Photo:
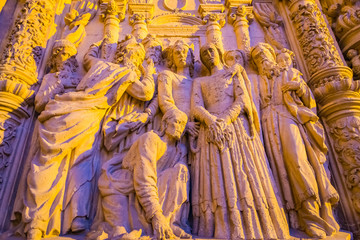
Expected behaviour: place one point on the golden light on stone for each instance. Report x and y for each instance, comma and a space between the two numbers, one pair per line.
203, 119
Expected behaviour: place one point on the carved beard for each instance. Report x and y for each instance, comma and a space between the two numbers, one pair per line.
270, 70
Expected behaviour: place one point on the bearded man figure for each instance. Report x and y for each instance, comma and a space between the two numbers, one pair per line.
144, 194
295, 143
68, 133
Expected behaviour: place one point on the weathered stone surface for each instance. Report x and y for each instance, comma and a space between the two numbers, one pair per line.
139, 119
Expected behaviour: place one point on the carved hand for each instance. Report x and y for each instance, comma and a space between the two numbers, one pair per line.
149, 67
140, 122
193, 128
161, 227
291, 86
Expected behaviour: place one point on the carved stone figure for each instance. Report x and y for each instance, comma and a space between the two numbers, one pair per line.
126, 121
294, 142
354, 57
233, 192
147, 193
63, 170
63, 74
175, 86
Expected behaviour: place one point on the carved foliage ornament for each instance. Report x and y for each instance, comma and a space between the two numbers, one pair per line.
346, 135
28, 37
314, 38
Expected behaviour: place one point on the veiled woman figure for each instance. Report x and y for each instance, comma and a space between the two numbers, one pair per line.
233, 192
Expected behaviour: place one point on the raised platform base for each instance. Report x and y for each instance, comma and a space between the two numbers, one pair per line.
296, 235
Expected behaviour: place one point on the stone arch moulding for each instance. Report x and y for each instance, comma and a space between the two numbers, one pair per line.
177, 24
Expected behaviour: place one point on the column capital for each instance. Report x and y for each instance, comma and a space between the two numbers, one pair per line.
113, 9
243, 15
141, 8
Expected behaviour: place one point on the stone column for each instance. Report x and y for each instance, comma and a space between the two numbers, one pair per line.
141, 12
240, 20
112, 13
344, 17
214, 23
139, 25
19, 65
338, 104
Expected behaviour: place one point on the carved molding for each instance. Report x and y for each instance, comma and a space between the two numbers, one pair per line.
330, 80
236, 3
145, 7
208, 8
190, 25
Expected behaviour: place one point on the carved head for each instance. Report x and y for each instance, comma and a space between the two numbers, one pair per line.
180, 55
263, 57
153, 47
285, 58
352, 53
233, 57
63, 56
211, 55
130, 52
173, 123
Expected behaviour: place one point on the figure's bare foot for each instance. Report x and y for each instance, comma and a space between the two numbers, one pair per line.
34, 234
79, 224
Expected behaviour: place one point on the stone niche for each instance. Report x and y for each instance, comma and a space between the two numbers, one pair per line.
167, 119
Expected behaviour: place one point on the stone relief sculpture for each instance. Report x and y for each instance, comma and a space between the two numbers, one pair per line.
354, 57
125, 122
289, 120
135, 151
233, 193
271, 23
67, 148
63, 74
175, 86
147, 193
